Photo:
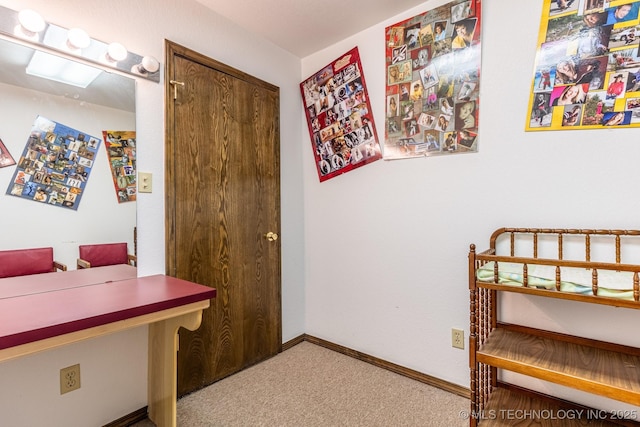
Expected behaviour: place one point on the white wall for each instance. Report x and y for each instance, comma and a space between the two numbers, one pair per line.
386, 245
113, 383
142, 26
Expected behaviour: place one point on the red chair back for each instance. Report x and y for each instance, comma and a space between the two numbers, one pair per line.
22, 262
104, 254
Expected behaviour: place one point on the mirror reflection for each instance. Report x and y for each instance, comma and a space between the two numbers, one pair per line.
104, 109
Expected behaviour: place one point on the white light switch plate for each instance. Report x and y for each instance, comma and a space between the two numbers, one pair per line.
145, 181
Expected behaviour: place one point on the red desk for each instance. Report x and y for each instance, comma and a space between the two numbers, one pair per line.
24, 285
63, 315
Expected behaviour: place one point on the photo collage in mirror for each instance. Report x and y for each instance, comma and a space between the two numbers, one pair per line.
55, 164
121, 151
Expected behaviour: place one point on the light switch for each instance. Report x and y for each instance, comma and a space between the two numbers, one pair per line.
144, 182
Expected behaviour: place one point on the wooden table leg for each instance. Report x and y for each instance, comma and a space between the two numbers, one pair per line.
162, 382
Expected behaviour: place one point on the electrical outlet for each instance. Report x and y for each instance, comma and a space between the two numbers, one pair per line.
457, 338
69, 378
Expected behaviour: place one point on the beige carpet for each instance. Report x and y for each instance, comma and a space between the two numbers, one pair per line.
308, 385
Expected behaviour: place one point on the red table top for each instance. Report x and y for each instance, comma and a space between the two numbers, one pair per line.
38, 316
35, 283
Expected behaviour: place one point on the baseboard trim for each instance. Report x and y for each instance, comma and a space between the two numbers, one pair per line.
293, 342
401, 370
141, 414
129, 419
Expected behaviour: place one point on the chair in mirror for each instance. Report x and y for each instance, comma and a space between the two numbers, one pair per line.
104, 254
24, 262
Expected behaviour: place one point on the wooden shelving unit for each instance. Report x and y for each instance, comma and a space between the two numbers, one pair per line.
601, 368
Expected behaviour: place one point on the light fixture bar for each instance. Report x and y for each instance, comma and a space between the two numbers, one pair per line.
93, 53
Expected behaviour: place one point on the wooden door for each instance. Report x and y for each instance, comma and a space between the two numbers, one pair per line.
223, 200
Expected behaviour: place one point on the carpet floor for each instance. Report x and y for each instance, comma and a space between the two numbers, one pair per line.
308, 386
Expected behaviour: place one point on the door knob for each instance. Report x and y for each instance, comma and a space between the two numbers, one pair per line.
271, 236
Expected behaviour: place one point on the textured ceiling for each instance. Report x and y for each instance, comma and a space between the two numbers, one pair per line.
303, 27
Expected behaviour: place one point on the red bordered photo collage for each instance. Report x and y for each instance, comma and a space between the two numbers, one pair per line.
339, 117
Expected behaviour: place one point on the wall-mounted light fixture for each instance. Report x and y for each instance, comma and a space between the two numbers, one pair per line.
31, 29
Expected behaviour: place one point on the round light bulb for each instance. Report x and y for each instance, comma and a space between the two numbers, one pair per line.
149, 64
77, 38
117, 52
31, 20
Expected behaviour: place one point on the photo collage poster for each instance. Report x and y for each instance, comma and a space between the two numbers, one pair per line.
339, 117
5, 156
587, 68
55, 164
433, 81
121, 152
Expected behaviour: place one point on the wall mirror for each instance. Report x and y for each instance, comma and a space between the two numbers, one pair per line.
106, 104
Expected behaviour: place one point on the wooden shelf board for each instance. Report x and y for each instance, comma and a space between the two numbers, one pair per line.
511, 408
602, 372
552, 293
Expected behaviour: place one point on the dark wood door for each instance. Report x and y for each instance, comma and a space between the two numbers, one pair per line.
223, 200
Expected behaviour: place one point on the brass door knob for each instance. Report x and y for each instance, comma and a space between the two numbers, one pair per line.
271, 236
